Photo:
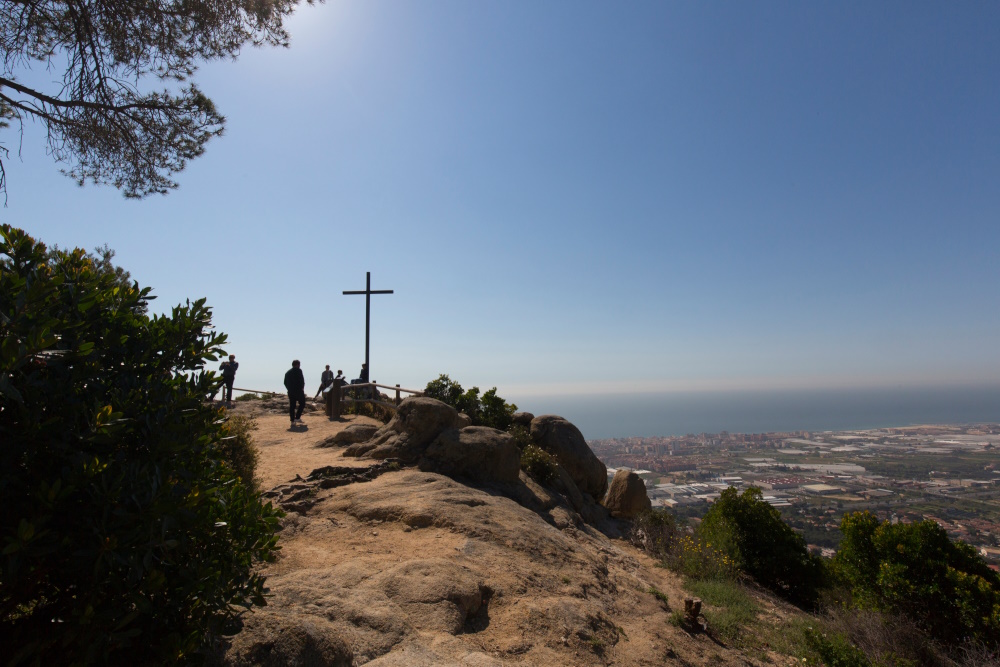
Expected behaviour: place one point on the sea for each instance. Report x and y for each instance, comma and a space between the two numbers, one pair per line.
679, 413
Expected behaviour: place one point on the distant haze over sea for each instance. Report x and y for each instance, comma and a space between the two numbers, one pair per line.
678, 413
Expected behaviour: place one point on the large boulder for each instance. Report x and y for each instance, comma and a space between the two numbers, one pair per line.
353, 434
417, 422
627, 495
565, 442
477, 452
522, 419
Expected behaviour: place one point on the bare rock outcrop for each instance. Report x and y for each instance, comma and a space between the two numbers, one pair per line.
475, 452
353, 434
522, 419
429, 432
278, 640
437, 594
627, 495
564, 441
388, 565
417, 422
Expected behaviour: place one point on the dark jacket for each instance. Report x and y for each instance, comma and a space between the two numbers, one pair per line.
364, 375
295, 382
228, 369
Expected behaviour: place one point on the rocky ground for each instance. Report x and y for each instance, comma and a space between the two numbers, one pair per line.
387, 561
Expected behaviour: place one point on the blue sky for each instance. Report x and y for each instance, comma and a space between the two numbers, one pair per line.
642, 196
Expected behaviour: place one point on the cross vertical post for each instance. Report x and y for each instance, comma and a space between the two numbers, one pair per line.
368, 315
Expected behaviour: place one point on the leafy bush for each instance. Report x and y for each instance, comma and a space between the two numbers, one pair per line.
495, 412
538, 463
835, 650
124, 528
521, 435
654, 531
700, 559
489, 410
915, 570
238, 449
884, 639
754, 536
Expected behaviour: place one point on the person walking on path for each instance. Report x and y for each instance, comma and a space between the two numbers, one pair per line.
295, 383
325, 380
228, 369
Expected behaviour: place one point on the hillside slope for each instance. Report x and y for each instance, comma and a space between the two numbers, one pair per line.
383, 564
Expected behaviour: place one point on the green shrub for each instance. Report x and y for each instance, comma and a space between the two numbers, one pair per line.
697, 558
126, 538
248, 397
538, 463
917, 571
238, 449
835, 650
754, 536
654, 531
885, 639
521, 435
489, 410
496, 412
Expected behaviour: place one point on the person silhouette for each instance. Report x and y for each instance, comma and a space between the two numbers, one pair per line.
325, 380
295, 383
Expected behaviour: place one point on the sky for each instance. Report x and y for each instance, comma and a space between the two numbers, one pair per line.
574, 198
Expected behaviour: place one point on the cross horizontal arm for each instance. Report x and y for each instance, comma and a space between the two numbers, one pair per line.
374, 291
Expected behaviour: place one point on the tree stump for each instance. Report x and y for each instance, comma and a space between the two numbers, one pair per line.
692, 610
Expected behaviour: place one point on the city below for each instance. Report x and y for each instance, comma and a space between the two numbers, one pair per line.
944, 473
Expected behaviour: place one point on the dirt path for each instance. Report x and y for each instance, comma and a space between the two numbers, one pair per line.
287, 452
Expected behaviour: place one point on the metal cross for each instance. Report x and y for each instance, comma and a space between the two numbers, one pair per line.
368, 314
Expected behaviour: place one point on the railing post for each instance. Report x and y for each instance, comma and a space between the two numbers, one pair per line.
397, 394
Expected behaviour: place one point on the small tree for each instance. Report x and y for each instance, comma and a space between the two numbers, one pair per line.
490, 410
125, 537
754, 535
917, 571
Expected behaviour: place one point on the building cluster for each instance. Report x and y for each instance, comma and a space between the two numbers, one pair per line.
948, 474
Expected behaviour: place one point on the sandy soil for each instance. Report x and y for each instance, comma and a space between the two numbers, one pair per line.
286, 452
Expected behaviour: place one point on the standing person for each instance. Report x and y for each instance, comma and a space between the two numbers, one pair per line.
295, 383
325, 380
228, 369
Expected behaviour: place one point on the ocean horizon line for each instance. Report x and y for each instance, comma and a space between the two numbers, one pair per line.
651, 414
